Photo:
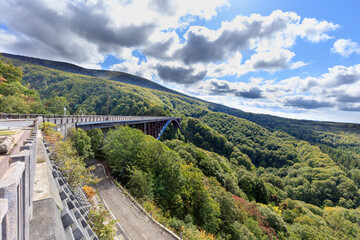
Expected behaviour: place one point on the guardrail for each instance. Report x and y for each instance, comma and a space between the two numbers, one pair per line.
65, 119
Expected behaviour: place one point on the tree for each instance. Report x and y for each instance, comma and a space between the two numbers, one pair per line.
71, 165
82, 143
15, 97
9, 72
57, 104
141, 184
122, 146
97, 142
99, 220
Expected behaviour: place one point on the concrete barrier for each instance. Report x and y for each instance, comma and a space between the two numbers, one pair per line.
16, 192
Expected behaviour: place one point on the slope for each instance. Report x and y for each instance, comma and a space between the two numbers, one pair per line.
105, 74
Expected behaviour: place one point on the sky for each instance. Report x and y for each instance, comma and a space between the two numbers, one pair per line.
297, 59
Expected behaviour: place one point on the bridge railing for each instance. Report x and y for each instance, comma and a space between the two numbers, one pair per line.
16, 191
64, 119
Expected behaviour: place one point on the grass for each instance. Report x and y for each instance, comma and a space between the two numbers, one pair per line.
7, 132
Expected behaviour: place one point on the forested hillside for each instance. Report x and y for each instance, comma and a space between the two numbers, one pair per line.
232, 174
298, 128
106, 74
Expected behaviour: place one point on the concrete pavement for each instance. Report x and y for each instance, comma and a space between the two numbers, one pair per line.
135, 224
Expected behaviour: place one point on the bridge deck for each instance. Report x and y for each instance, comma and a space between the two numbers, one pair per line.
152, 125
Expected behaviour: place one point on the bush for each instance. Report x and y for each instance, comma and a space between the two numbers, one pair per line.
239, 231
72, 166
50, 135
89, 191
100, 223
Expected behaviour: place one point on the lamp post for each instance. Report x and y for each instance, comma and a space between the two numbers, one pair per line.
108, 98
64, 126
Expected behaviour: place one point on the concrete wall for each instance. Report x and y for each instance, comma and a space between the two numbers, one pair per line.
16, 192
4, 165
53, 213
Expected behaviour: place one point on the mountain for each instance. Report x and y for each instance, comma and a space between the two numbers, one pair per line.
225, 174
105, 74
298, 128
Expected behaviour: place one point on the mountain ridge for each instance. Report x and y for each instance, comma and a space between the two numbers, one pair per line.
271, 122
106, 74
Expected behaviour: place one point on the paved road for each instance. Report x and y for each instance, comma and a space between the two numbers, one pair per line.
14, 124
135, 224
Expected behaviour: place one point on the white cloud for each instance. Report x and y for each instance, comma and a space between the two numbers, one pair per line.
273, 60
337, 89
315, 30
267, 41
83, 32
345, 47
337, 76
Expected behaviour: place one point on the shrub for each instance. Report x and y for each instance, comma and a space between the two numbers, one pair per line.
89, 191
72, 166
288, 216
50, 135
100, 223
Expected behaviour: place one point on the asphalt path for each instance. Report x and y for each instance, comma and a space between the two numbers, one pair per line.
133, 222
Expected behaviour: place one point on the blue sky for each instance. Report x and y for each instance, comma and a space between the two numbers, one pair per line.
297, 59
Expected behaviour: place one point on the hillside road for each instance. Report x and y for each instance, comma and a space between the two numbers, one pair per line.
134, 223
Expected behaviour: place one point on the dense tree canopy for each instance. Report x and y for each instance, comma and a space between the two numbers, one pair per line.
14, 96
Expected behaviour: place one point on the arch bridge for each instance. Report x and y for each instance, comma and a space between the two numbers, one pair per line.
150, 125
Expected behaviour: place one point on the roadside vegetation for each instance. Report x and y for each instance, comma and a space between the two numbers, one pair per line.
69, 155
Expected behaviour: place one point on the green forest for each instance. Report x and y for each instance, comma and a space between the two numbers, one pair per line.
225, 174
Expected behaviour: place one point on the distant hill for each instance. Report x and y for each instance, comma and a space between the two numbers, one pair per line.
106, 74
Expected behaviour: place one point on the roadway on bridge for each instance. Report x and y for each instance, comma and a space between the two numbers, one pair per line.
11, 124
135, 224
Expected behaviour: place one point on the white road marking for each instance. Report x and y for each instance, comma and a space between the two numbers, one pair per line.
113, 216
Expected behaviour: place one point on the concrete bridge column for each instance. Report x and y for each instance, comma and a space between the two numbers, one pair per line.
65, 129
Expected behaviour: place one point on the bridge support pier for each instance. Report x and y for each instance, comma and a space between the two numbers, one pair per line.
154, 128
65, 129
